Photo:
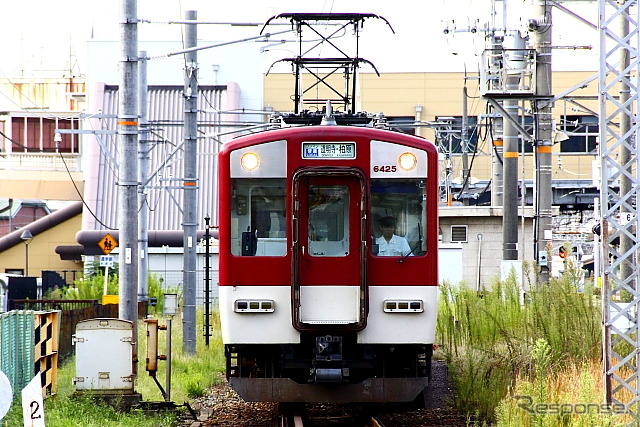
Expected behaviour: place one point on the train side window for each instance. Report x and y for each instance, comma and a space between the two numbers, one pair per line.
258, 221
398, 208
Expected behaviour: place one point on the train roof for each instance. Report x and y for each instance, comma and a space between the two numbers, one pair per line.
332, 132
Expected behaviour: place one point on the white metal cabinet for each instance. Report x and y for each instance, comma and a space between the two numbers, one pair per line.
104, 355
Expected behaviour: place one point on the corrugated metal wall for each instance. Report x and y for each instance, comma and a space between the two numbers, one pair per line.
28, 344
166, 156
17, 347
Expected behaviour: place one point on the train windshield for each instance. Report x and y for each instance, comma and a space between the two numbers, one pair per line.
258, 224
398, 212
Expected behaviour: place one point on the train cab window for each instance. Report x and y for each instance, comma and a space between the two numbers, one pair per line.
328, 220
398, 217
258, 224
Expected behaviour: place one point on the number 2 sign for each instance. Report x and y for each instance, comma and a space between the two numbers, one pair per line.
32, 405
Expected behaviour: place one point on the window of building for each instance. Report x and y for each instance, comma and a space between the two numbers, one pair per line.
449, 135
404, 124
37, 135
582, 132
525, 146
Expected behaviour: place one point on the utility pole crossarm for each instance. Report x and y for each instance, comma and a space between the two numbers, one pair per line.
514, 122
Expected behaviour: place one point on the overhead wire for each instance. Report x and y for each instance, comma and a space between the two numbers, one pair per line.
84, 202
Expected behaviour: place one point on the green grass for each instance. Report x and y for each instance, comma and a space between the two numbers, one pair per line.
191, 375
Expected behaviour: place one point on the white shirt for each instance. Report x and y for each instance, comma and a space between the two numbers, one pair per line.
397, 246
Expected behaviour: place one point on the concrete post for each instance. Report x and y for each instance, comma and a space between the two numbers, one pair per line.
190, 186
127, 159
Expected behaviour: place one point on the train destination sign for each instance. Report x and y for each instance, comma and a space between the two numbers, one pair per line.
328, 150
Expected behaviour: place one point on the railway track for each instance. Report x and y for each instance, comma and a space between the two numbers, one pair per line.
233, 415
223, 407
299, 421
327, 415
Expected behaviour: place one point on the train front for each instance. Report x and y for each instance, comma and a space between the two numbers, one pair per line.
328, 264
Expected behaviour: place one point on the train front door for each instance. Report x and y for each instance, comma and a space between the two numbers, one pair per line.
329, 285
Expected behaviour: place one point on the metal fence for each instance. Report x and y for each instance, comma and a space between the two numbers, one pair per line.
52, 304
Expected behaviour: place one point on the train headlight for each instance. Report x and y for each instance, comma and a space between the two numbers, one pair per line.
403, 306
407, 161
250, 161
253, 306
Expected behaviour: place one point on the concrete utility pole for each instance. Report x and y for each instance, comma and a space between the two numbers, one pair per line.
128, 168
514, 65
510, 171
497, 186
464, 142
190, 185
543, 196
143, 174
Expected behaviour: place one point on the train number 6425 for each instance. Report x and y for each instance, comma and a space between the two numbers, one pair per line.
385, 168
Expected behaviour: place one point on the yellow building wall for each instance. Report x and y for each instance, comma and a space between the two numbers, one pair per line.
42, 254
440, 94
37, 184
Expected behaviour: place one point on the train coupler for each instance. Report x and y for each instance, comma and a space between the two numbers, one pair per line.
330, 375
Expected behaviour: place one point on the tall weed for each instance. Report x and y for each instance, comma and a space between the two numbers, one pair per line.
572, 397
492, 337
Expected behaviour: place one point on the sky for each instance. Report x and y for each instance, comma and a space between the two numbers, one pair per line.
50, 37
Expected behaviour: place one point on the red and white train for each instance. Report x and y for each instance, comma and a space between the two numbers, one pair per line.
328, 264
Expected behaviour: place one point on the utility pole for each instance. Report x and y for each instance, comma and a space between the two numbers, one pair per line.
514, 65
190, 185
497, 186
510, 175
464, 141
143, 174
504, 84
207, 281
128, 168
543, 196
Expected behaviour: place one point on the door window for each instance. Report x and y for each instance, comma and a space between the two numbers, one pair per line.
328, 215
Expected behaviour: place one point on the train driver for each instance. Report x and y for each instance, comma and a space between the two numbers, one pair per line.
390, 244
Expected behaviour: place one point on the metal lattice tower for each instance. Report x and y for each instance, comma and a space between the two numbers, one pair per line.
618, 96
